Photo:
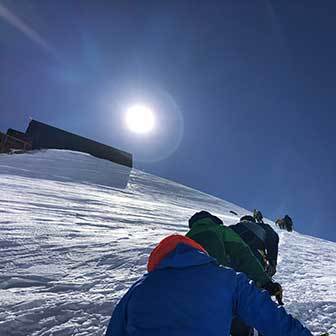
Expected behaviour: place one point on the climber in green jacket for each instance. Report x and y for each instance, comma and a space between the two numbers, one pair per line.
226, 246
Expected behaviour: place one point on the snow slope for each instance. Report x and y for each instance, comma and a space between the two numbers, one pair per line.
71, 243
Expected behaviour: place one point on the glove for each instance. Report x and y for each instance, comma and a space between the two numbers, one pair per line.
275, 289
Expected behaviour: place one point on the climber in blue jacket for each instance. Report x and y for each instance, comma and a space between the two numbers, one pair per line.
186, 292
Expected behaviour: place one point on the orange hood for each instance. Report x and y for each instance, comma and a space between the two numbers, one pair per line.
166, 246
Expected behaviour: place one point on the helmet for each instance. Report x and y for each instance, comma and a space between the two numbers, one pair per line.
204, 214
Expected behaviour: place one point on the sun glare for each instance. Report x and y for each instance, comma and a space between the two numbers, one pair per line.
140, 119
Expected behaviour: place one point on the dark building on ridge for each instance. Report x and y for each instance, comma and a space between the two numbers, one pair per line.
42, 136
46, 136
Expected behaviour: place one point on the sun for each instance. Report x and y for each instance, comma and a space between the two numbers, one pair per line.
140, 119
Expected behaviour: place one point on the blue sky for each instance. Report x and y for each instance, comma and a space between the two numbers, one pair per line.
244, 92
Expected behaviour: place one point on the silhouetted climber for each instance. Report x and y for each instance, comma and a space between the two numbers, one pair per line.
186, 292
257, 215
280, 222
285, 223
262, 240
228, 248
289, 223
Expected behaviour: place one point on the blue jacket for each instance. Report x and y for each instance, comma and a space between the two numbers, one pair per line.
189, 294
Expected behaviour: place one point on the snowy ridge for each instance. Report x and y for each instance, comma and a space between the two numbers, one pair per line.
72, 242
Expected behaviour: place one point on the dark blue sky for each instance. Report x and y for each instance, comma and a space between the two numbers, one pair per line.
245, 90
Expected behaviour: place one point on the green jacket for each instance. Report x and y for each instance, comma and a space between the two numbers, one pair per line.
228, 248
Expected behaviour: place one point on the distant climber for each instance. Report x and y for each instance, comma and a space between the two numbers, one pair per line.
285, 223
262, 240
186, 292
257, 215
228, 248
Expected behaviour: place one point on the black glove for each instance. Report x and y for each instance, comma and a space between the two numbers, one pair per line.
275, 289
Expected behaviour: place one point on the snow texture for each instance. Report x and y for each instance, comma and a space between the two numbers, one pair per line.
73, 239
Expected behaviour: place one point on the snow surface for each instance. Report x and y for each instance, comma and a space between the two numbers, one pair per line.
71, 243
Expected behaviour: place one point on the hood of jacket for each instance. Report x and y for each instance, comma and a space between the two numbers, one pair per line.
177, 251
